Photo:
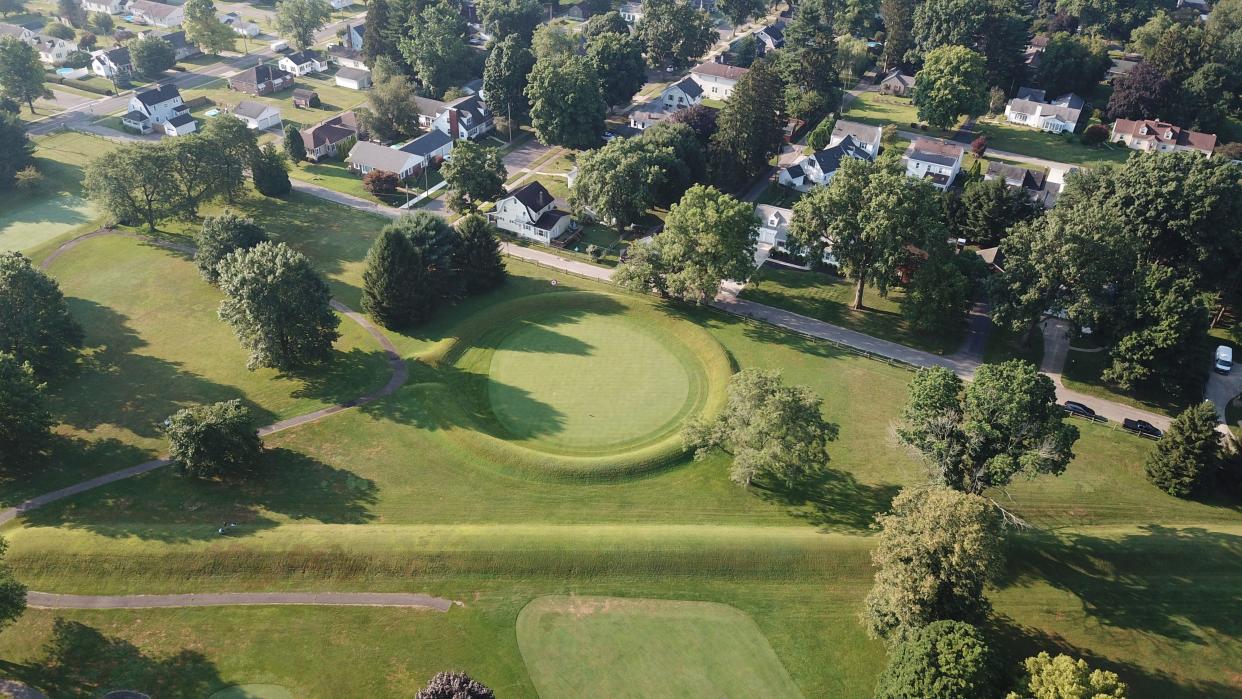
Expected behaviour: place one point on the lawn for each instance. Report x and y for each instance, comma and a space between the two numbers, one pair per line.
1083, 372
406, 494
875, 108
1064, 148
29, 219
828, 298
619, 647
335, 99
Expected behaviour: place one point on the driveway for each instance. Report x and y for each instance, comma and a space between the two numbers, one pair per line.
1223, 388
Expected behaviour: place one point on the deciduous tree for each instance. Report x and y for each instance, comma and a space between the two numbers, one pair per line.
1072, 63
619, 63
772, 430
1143, 93
214, 441
21, 73
35, 324
503, 18
298, 20
132, 184
72, 12
392, 112
454, 685
475, 174
607, 23
152, 55
12, 592
204, 29
951, 83
739, 12
675, 33
936, 550
567, 102
277, 303
943, 660
618, 182
504, 78
1187, 455
16, 149
435, 46
220, 236
25, 423
1059, 677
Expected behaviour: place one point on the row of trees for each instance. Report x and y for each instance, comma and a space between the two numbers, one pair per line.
150, 182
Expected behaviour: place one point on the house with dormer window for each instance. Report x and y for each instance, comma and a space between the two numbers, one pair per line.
159, 108
531, 212
935, 161
1058, 115
819, 167
1155, 135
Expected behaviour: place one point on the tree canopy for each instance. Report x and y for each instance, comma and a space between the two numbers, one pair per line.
298, 20
204, 29
567, 101
35, 324
21, 73
475, 174
214, 441
504, 77
943, 660
1062, 676
675, 33
435, 46
1187, 455
619, 63
749, 129
25, 423
16, 149
951, 83
477, 257
221, 235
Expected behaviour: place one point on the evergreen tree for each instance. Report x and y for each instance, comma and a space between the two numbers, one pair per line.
16, 149
12, 592
1188, 453
295, 147
25, 423
389, 281
749, 129
943, 660
504, 78
478, 261
271, 172
376, 28
220, 236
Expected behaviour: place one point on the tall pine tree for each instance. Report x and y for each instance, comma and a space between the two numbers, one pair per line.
749, 129
389, 280
477, 260
1188, 454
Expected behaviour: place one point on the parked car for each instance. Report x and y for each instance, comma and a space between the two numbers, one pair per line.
1224, 359
1142, 427
1073, 407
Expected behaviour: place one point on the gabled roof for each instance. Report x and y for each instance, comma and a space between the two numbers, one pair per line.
533, 196
378, 157
301, 58
253, 110
474, 86
895, 75
334, 130
342, 51
156, 10
774, 31
829, 159
720, 70
428, 107
353, 73
158, 95
427, 144
688, 86
1030, 93
865, 133
262, 74
937, 152
549, 219
1017, 176
1164, 132
770, 215
795, 171
176, 39
305, 93
135, 116
181, 119
472, 105
119, 56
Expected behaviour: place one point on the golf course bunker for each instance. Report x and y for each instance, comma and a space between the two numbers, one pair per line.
645, 648
574, 382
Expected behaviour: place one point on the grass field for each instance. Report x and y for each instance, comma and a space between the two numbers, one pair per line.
617, 647
828, 298
1083, 372
29, 219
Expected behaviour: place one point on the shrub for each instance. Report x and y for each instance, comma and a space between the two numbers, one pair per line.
979, 146
380, 183
944, 660
28, 179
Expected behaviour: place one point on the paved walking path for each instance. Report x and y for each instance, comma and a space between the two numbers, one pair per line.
47, 600
400, 372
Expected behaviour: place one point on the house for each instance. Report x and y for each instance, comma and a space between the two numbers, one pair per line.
474, 87
937, 161
302, 62
367, 157
180, 125
182, 49
354, 35
649, 114
154, 106
428, 109
1153, 135
531, 212
631, 11
156, 14
717, 80
1119, 67
1059, 115
819, 167
430, 149
465, 117
257, 115
773, 225
324, 139
683, 93
112, 63
239, 25
866, 135
897, 83
108, 7
305, 98
770, 38
581, 12
353, 78
52, 51
1034, 182
262, 79
346, 57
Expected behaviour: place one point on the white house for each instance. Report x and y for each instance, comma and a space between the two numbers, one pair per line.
770, 38
346, 57
365, 157
429, 149
257, 115
868, 136
773, 224
684, 93
819, 167
717, 79
531, 212
180, 125
111, 63
466, 117
648, 115
156, 14
1029, 108
303, 62
1155, 135
353, 78
153, 107
631, 11
52, 51
937, 161
108, 7
240, 26
355, 35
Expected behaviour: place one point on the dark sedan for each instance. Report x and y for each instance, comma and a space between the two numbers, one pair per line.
1142, 427
1073, 407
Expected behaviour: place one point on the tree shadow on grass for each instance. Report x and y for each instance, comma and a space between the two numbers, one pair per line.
170, 507
1016, 642
116, 385
343, 377
1175, 582
832, 500
80, 661
67, 461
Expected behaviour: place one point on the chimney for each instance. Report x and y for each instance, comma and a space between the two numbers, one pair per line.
452, 119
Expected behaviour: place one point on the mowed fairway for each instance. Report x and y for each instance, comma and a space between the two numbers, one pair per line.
647, 649
58, 206
601, 381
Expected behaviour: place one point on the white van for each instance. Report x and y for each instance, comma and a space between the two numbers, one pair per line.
281, 45
1224, 359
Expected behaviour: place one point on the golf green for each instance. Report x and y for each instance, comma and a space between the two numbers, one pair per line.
646, 648
572, 381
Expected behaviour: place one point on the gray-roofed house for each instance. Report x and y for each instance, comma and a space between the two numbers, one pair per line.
717, 79
897, 83
112, 63
428, 110
324, 140
431, 149
1031, 109
773, 224
156, 14
467, 117
681, 94
770, 38
182, 48
353, 78
152, 107
180, 125
648, 115
819, 167
367, 157
1034, 182
305, 98
1120, 67
303, 62
531, 212
261, 80
257, 115
866, 134
346, 56
935, 161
